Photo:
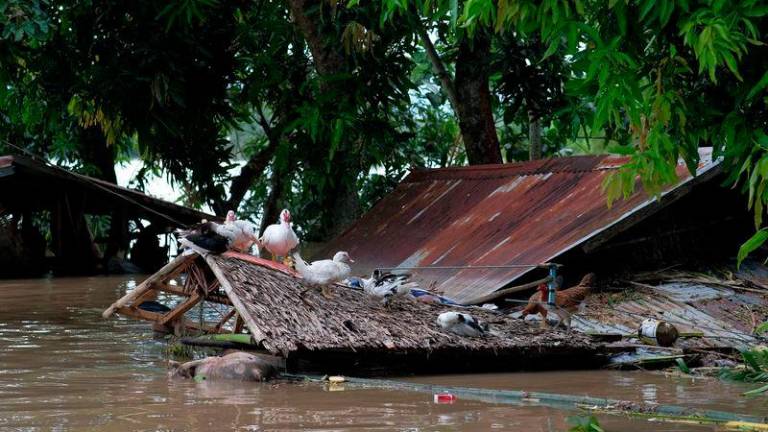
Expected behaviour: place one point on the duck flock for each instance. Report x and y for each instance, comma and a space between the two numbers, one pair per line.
281, 241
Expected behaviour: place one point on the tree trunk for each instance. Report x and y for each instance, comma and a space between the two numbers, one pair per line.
340, 201
251, 171
478, 129
95, 151
534, 136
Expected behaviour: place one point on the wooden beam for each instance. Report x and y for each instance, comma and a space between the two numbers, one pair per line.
257, 334
177, 290
156, 317
179, 310
238, 324
228, 316
179, 261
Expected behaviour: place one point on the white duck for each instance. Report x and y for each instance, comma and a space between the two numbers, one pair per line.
210, 237
279, 238
324, 273
388, 286
241, 232
462, 324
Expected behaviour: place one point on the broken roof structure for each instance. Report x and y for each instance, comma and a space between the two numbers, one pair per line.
500, 215
269, 301
29, 185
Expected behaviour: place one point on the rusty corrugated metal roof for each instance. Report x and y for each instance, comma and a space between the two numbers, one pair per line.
520, 213
723, 317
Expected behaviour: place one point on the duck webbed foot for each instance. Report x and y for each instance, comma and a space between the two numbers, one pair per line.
325, 290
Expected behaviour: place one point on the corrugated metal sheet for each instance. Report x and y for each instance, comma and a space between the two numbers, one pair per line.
521, 213
721, 315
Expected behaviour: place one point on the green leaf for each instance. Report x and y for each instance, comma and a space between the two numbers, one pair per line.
754, 242
759, 86
762, 328
682, 366
454, 12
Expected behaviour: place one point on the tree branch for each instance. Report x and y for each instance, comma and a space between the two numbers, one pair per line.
446, 81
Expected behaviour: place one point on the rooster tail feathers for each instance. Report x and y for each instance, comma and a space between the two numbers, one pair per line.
301, 265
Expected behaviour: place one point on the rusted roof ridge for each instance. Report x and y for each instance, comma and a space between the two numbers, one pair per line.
573, 164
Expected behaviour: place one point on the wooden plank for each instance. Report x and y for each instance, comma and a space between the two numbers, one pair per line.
238, 324
156, 317
179, 310
258, 335
177, 290
148, 283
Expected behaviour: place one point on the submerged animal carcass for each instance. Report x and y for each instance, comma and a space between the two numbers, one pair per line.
239, 366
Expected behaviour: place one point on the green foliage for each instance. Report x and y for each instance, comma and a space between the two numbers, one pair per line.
762, 328
682, 366
754, 242
584, 424
755, 369
172, 82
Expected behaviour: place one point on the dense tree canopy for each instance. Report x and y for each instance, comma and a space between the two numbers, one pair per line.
325, 105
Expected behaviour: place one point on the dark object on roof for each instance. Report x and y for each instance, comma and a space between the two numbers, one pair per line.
29, 185
520, 213
349, 330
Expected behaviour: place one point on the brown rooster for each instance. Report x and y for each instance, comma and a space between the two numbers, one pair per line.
567, 301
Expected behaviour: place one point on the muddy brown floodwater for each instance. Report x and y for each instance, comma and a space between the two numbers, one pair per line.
63, 367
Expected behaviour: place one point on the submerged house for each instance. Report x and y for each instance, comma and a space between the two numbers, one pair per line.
35, 192
471, 233
448, 224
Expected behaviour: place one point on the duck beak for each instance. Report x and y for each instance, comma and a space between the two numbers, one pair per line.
351, 260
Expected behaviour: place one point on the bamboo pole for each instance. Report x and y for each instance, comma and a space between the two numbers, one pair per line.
148, 283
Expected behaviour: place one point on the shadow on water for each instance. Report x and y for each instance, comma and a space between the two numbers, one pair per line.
63, 367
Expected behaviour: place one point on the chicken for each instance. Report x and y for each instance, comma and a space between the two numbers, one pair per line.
279, 239
242, 234
567, 301
324, 273
388, 286
210, 237
462, 324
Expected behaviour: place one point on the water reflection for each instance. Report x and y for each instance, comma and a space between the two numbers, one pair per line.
63, 367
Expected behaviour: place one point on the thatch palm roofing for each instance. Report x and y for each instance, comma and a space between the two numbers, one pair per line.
283, 320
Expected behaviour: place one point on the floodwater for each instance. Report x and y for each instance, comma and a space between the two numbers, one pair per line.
63, 367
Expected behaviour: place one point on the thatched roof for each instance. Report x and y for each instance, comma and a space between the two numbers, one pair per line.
284, 321
347, 331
